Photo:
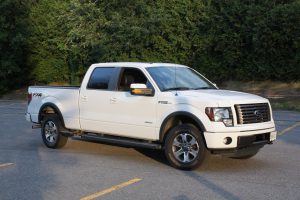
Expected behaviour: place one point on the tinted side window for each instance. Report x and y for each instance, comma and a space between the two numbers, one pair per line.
100, 78
132, 75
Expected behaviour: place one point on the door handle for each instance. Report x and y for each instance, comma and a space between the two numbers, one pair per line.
113, 100
84, 98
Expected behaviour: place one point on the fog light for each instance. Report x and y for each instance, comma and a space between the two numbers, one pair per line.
227, 140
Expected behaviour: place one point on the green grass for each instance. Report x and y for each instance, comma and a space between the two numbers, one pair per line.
286, 105
283, 96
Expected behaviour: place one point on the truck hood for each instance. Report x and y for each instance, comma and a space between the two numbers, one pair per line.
223, 96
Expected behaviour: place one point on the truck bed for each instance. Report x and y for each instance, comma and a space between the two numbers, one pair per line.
65, 98
56, 87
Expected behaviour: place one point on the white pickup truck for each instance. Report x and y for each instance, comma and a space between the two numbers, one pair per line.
153, 105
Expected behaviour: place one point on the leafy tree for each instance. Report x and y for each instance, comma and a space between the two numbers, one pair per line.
47, 55
13, 36
250, 40
232, 39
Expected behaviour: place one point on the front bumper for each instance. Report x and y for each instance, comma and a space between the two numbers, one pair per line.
216, 140
239, 152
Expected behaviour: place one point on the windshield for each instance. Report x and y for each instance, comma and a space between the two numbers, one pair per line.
186, 78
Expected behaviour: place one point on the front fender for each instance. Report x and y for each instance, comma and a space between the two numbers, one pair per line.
182, 110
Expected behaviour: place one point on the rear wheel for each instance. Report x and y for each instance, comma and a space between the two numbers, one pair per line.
51, 127
184, 147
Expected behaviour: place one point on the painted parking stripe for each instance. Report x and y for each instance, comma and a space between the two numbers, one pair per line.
111, 189
289, 128
6, 165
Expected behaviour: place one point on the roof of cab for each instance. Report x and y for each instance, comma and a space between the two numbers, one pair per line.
136, 64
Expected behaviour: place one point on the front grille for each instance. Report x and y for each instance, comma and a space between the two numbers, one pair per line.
252, 113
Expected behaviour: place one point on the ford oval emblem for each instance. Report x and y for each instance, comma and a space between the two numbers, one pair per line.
258, 113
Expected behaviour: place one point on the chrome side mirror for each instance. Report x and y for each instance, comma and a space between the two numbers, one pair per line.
140, 90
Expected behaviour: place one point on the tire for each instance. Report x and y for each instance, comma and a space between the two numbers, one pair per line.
245, 156
184, 147
51, 127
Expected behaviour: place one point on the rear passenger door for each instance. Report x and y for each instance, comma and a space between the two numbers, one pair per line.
95, 101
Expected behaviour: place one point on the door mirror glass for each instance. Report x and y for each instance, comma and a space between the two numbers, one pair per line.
140, 90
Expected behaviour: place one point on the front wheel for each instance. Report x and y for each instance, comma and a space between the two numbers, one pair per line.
51, 127
184, 147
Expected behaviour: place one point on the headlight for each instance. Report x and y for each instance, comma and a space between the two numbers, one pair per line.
220, 115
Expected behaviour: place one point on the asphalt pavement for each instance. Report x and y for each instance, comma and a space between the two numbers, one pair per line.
84, 170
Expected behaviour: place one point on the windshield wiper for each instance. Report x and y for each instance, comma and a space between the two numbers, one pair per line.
203, 88
176, 88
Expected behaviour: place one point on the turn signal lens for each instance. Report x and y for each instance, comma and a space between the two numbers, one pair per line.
210, 113
29, 98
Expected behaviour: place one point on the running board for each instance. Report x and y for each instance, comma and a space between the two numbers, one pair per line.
118, 140
67, 133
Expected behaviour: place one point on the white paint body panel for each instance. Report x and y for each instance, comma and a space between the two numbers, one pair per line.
122, 114
66, 100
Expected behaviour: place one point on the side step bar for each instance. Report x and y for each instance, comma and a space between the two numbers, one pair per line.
118, 140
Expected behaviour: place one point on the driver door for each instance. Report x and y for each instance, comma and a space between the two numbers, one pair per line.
135, 116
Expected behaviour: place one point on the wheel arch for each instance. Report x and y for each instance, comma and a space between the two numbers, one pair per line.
48, 108
177, 118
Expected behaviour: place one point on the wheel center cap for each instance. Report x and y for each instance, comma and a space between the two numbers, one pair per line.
186, 147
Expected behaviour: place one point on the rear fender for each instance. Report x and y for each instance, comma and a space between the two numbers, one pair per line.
55, 105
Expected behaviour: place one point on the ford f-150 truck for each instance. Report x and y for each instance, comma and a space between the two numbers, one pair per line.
153, 105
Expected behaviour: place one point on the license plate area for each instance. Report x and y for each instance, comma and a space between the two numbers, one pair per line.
245, 141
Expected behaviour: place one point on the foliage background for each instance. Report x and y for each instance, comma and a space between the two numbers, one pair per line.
44, 41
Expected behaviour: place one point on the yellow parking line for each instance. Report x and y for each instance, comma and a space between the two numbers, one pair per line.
6, 165
111, 189
289, 128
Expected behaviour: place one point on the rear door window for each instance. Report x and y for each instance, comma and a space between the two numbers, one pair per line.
101, 78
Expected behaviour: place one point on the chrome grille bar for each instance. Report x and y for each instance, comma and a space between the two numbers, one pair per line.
252, 113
